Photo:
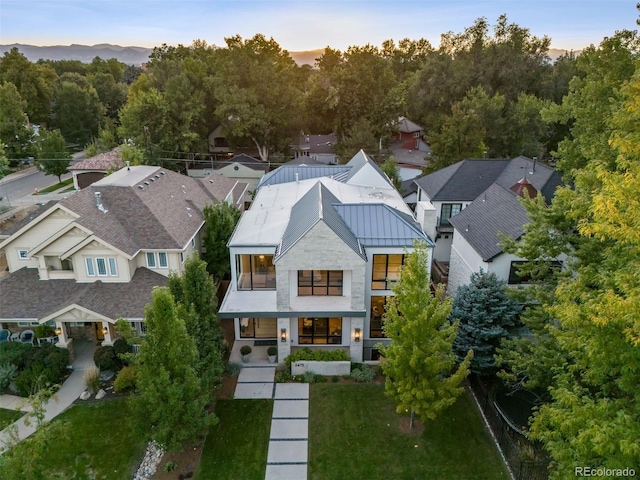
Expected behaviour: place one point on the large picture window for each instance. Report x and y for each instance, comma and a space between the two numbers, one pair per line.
319, 331
386, 271
448, 211
256, 272
319, 282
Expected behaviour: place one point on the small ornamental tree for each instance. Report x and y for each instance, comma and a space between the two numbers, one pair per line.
390, 167
171, 398
420, 365
52, 156
484, 311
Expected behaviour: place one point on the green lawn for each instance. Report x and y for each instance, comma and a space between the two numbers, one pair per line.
354, 433
57, 186
7, 417
100, 443
236, 448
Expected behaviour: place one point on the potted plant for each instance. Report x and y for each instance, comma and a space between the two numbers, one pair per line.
272, 353
245, 351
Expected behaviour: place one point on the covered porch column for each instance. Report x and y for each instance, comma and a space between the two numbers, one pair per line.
106, 330
63, 336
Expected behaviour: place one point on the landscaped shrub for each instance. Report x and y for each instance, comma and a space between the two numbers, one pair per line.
231, 368
37, 367
105, 358
126, 379
44, 331
363, 373
317, 355
8, 373
92, 379
120, 348
15, 353
282, 376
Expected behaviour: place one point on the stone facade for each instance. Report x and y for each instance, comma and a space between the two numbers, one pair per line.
459, 273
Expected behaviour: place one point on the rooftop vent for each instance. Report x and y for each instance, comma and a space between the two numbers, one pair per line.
141, 187
99, 202
152, 179
157, 176
128, 165
146, 183
161, 173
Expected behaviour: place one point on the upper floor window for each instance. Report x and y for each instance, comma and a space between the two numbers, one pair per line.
377, 312
103, 266
448, 211
256, 272
157, 259
319, 282
23, 254
386, 271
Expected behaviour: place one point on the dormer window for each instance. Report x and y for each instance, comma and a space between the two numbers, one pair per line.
23, 254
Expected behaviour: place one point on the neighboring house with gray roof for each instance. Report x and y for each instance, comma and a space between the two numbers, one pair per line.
241, 168
464, 206
321, 148
314, 258
81, 263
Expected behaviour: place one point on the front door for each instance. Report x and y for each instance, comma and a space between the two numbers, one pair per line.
258, 327
99, 334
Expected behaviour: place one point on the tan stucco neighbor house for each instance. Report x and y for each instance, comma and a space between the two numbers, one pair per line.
85, 261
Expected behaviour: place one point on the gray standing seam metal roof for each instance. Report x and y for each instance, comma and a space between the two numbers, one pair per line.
24, 295
378, 225
497, 210
287, 173
314, 206
358, 161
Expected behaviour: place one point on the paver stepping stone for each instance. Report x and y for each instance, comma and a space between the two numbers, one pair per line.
291, 391
289, 429
254, 390
286, 472
287, 451
290, 409
256, 374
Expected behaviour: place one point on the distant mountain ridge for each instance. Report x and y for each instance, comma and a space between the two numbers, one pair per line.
138, 55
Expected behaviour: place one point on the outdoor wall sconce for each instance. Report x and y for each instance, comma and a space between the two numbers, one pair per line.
283, 334
58, 331
105, 330
356, 335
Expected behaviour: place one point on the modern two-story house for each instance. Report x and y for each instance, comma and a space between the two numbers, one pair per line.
315, 257
85, 261
468, 204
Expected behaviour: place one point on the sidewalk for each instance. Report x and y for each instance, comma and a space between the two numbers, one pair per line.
64, 397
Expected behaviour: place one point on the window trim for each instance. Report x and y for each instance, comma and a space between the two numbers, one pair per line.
371, 316
152, 255
266, 268
166, 260
89, 267
104, 264
112, 265
388, 284
330, 339
21, 256
327, 287
446, 222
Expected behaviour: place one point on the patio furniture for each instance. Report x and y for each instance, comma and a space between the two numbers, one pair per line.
15, 337
4, 335
27, 336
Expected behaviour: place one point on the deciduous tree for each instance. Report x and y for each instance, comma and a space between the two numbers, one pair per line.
419, 364
15, 133
52, 156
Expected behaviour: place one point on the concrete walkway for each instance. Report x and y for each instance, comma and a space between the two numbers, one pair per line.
64, 397
288, 438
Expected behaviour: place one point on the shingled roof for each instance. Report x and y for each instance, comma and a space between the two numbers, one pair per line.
497, 210
103, 161
19, 291
147, 207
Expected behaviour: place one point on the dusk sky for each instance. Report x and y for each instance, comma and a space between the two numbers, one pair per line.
301, 25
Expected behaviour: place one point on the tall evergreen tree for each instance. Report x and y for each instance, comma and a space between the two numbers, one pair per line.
419, 364
171, 398
219, 222
195, 292
484, 311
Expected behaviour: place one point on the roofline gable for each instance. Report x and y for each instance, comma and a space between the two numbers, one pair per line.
57, 235
73, 306
36, 221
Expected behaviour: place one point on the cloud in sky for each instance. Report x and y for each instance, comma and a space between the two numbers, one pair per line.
300, 25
